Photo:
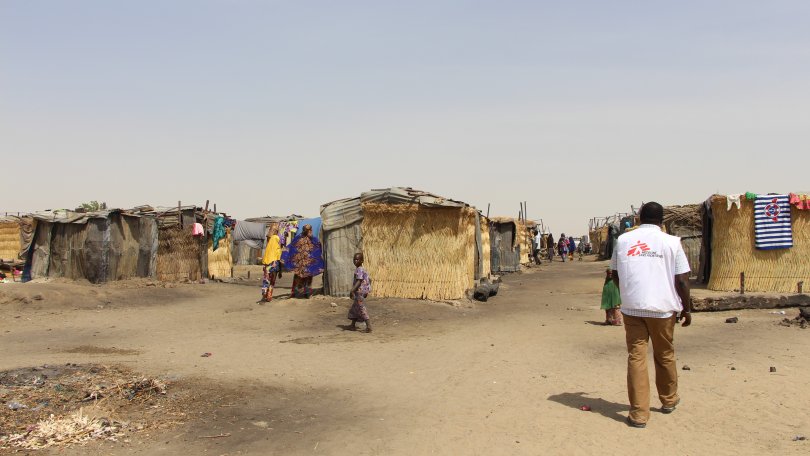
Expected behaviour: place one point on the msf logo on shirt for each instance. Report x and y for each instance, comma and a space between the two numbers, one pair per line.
641, 249
638, 249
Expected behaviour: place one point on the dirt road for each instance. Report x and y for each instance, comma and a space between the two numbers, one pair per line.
503, 377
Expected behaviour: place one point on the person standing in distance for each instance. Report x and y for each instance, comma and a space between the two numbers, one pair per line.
652, 273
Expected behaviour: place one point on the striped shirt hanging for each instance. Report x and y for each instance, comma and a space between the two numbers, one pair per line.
772, 228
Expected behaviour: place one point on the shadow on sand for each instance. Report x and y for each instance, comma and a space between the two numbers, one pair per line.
605, 408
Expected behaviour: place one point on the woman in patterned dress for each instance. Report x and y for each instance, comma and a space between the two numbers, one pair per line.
360, 291
303, 257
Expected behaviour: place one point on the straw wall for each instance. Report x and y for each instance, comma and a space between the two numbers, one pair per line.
10, 240
733, 252
220, 261
599, 238
524, 239
178, 256
412, 251
486, 247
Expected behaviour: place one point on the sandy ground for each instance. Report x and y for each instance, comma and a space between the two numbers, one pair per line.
503, 377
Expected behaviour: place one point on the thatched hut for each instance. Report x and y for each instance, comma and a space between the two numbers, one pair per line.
731, 249
686, 222
416, 244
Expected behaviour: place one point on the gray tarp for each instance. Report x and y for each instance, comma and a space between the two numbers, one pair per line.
339, 247
251, 233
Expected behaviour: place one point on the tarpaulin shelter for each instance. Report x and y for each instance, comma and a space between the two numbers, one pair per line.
416, 244
118, 244
248, 253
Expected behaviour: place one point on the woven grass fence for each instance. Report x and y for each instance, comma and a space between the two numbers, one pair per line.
599, 238
220, 261
486, 247
416, 252
733, 252
524, 238
9, 240
178, 256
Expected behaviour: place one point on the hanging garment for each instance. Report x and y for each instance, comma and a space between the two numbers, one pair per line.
197, 230
219, 231
273, 251
750, 196
772, 229
733, 200
802, 202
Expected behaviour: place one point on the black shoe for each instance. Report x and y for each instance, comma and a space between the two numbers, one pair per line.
671, 408
632, 423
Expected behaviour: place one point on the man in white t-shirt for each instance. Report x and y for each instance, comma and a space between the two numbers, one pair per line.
538, 243
652, 272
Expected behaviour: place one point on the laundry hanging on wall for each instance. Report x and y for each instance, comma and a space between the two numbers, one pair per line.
772, 228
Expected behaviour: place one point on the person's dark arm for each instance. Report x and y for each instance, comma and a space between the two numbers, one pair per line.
615, 275
682, 287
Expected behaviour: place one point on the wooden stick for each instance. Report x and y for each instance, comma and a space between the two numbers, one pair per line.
742, 283
215, 436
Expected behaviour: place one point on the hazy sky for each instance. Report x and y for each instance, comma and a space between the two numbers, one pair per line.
274, 107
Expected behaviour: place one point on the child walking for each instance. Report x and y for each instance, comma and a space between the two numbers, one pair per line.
360, 291
611, 301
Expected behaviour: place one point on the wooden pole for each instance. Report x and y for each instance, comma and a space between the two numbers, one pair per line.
487, 210
180, 214
800, 285
742, 283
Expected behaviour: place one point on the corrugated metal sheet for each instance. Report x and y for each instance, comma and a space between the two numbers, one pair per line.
341, 213
505, 252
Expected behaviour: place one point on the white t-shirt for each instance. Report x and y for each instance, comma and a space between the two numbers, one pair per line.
648, 260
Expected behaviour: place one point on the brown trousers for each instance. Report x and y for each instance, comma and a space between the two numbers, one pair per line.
638, 332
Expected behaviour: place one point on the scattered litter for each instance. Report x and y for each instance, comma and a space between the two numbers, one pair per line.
780, 312
585, 408
802, 320
73, 429
13, 405
144, 387
732, 320
206, 355
52, 413
334, 304
773, 369
686, 368
799, 438
215, 436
